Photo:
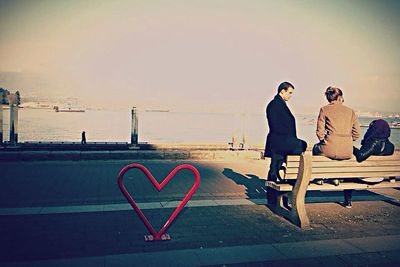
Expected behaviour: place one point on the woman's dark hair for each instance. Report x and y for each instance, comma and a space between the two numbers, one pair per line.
284, 86
333, 93
377, 129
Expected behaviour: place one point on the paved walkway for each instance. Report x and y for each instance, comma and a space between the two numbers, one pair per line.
71, 213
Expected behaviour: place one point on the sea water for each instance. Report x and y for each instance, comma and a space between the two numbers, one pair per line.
157, 127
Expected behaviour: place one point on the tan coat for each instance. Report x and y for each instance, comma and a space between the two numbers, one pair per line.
337, 128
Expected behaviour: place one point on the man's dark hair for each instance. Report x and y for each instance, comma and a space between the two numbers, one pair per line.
284, 86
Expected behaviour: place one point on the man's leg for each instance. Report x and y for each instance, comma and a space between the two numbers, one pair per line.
299, 147
276, 163
273, 175
293, 146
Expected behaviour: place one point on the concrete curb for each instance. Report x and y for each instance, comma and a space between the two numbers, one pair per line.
133, 154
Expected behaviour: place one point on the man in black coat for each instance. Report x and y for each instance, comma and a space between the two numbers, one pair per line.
282, 138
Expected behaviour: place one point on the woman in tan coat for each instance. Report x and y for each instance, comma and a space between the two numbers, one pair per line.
337, 127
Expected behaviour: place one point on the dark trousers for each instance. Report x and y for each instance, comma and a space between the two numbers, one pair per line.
348, 194
316, 149
292, 146
276, 163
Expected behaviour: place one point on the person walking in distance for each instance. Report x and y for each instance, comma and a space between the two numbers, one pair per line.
83, 141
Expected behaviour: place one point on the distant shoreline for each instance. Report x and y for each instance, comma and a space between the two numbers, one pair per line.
157, 110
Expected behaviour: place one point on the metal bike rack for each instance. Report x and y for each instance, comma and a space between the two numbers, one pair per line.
154, 235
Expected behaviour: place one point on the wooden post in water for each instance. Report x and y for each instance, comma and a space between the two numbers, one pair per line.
134, 128
13, 120
1, 123
16, 109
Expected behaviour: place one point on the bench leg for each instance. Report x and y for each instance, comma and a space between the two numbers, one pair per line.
271, 196
285, 205
291, 205
299, 213
276, 201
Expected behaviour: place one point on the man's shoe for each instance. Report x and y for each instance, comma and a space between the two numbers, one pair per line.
281, 181
282, 171
274, 177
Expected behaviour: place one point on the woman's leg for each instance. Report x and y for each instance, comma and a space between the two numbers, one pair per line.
316, 149
347, 197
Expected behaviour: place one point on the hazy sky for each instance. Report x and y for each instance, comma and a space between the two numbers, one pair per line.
225, 56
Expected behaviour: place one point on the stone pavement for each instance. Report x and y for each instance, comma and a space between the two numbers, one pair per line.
71, 213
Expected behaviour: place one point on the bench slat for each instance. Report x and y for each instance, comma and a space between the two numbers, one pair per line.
331, 187
339, 174
337, 163
351, 169
395, 156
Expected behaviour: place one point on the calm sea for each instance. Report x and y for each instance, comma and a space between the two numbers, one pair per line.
155, 127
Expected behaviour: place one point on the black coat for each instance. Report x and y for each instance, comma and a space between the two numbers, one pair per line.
373, 146
282, 127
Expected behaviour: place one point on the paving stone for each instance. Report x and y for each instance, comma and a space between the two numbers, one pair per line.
238, 254
318, 248
393, 254
378, 243
366, 259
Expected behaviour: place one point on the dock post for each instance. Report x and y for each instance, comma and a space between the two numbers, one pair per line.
16, 111
1, 123
13, 120
134, 128
243, 144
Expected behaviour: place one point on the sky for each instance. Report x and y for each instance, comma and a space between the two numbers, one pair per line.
202, 55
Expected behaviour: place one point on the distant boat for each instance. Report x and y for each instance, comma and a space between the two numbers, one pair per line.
68, 109
395, 125
36, 105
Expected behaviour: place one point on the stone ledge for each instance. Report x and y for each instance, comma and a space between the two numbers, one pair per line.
133, 154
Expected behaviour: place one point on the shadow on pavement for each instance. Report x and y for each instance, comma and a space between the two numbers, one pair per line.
255, 187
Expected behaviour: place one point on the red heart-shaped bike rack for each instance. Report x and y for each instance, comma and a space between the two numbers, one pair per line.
159, 186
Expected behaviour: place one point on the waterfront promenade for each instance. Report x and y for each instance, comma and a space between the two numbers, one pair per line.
71, 213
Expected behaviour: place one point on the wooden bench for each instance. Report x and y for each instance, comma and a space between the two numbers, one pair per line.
289, 197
